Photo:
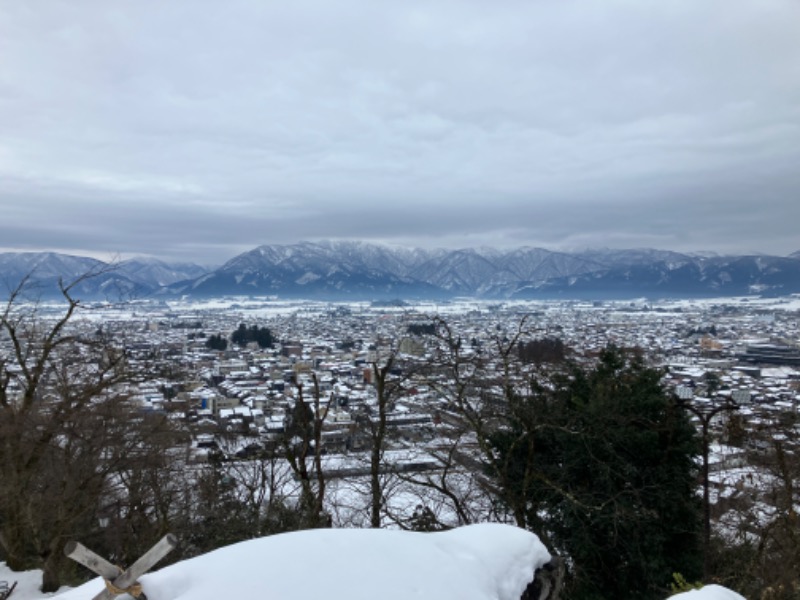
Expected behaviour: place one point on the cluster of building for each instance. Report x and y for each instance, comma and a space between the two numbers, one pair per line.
741, 353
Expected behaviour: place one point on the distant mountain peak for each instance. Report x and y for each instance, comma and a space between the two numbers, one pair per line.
130, 278
342, 269
354, 269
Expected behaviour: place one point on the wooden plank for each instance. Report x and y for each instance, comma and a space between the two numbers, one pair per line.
92, 561
141, 566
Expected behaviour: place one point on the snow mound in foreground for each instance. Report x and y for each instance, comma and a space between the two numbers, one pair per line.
477, 562
708, 592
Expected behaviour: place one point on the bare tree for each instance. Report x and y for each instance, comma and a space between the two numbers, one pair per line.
387, 388
481, 388
303, 447
240, 498
65, 426
147, 491
757, 550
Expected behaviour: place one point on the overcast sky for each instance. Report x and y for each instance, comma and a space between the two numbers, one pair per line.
195, 130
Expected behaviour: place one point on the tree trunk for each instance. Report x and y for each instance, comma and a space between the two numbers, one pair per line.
51, 572
13, 547
375, 488
378, 435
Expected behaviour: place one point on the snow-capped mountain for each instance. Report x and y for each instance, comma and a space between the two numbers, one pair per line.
45, 272
43, 265
328, 269
459, 272
156, 273
677, 277
350, 270
357, 269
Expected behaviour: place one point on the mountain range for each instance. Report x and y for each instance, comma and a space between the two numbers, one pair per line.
358, 270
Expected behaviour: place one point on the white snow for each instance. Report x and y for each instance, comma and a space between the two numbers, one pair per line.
28, 583
708, 592
477, 562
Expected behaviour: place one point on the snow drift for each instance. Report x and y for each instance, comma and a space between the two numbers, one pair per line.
708, 592
477, 562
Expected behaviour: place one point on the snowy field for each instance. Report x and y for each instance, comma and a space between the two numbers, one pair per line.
478, 562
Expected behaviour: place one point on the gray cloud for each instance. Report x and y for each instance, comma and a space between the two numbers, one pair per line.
195, 130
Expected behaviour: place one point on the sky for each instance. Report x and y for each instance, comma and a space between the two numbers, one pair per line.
193, 130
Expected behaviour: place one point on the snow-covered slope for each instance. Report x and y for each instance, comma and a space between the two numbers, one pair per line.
478, 562
156, 273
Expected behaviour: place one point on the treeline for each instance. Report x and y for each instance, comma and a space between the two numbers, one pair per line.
242, 336
260, 335
217, 342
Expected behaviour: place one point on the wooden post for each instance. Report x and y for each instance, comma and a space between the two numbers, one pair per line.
95, 563
123, 581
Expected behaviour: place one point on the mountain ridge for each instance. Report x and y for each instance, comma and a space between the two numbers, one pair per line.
360, 270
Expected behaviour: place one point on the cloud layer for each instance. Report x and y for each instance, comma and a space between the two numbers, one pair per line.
198, 129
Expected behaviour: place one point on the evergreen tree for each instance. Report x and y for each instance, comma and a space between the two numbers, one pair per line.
261, 335
216, 342
240, 336
612, 458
